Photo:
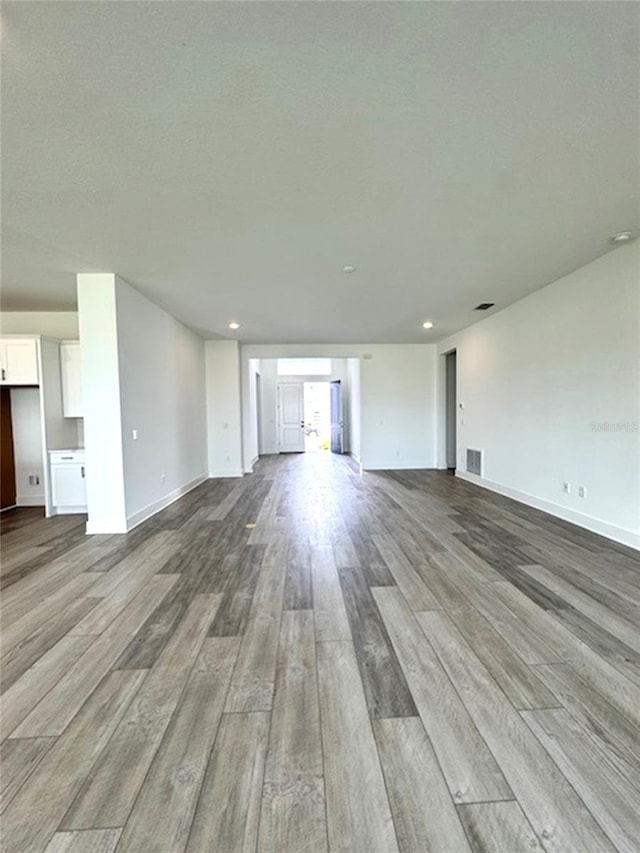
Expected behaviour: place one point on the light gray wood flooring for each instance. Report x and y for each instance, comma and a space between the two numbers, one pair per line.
310, 660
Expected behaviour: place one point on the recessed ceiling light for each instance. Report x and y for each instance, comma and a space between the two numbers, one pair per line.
234, 326
621, 237
427, 324
348, 269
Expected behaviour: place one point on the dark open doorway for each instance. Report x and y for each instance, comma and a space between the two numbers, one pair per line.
7, 460
451, 409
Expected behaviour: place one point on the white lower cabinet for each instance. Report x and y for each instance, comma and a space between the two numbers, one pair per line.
68, 482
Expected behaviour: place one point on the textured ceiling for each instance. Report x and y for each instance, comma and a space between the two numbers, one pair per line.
229, 159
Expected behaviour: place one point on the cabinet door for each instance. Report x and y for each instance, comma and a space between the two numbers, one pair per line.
69, 487
19, 362
71, 380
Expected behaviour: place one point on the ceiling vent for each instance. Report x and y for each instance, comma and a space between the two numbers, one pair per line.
484, 306
474, 462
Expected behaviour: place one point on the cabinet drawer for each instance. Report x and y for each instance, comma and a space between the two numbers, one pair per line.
61, 457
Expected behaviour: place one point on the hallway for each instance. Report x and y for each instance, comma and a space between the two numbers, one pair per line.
309, 659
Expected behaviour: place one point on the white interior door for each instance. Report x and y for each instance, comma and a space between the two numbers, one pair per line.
291, 416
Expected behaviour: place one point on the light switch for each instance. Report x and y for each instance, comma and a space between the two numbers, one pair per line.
134, 434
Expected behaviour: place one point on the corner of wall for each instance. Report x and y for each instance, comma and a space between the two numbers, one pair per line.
146, 512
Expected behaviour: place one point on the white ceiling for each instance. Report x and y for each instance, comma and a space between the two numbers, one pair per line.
229, 159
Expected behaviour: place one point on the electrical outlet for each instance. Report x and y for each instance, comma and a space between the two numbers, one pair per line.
163, 477
134, 434
582, 491
566, 488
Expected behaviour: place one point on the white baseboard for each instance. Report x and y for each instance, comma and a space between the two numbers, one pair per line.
69, 510
221, 475
595, 525
143, 514
30, 500
249, 470
124, 525
108, 525
356, 461
400, 465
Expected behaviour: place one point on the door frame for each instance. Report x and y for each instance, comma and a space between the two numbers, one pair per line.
250, 353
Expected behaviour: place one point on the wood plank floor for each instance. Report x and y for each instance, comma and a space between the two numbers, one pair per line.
313, 660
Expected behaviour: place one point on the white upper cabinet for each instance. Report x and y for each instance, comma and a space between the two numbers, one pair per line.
19, 361
71, 379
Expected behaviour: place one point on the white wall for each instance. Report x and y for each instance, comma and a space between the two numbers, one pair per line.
397, 398
398, 406
268, 439
101, 401
537, 380
27, 445
355, 416
224, 445
162, 396
55, 324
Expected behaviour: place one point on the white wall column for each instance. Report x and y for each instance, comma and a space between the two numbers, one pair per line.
143, 380
224, 421
101, 395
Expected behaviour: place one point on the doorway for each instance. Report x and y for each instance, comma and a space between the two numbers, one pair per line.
7, 460
451, 406
313, 411
337, 418
317, 416
304, 416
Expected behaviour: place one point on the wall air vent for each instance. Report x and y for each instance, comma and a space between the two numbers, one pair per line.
484, 306
474, 462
